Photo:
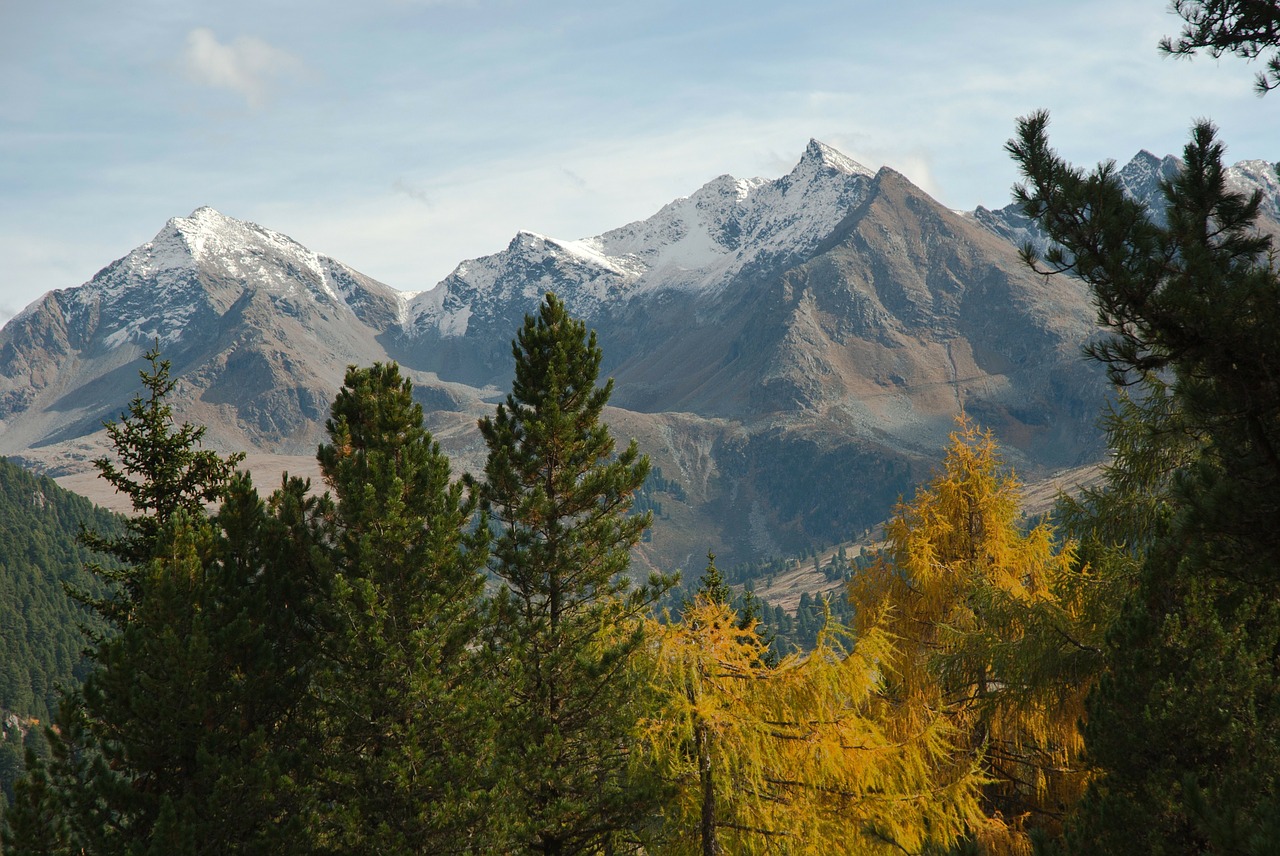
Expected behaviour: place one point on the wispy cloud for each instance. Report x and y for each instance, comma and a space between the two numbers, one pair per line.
246, 66
574, 179
413, 191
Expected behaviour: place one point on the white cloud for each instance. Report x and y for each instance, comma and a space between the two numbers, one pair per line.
245, 66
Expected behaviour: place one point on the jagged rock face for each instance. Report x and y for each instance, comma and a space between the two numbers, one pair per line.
906, 314
845, 372
792, 352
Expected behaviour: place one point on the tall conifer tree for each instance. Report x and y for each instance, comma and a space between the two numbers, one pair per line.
566, 621
160, 466
1184, 724
398, 694
993, 626
803, 756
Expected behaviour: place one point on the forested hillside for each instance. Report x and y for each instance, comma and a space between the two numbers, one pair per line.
41, 643
40, 554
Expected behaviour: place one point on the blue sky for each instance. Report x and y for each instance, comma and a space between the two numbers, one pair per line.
403, 136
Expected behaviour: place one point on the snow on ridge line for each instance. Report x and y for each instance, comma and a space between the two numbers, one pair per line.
156, 288
697, 242
1251, 175
242, 249
208, 227
1138, 178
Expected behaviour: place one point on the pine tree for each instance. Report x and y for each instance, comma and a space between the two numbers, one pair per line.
805, 756
993, 627
566, 622
1185, 720
189, 720
711, 585
1247, 28
398, 692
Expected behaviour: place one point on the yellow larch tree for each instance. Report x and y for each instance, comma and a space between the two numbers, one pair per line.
795, 758
992, 626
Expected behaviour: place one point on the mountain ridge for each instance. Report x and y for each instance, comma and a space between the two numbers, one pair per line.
792, 351
695, 242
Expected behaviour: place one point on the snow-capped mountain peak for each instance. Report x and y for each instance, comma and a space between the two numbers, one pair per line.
1250, 175
699, 242
1142, 175
203, 263
239, 248
1140, 179
820, 155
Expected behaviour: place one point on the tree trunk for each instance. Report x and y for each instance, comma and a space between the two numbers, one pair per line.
702, 741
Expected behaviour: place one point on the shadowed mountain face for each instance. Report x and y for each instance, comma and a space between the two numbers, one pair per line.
791, 352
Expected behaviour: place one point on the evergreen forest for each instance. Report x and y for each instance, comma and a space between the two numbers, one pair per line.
41, 628
394, 661
41, 557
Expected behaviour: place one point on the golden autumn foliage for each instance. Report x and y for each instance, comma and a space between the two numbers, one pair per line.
990, 623
802, 757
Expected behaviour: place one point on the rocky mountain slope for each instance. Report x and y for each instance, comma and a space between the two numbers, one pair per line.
790, 352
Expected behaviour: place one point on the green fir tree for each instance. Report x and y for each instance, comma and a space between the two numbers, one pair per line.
185, 737
160, 466
398, 693
566, 622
